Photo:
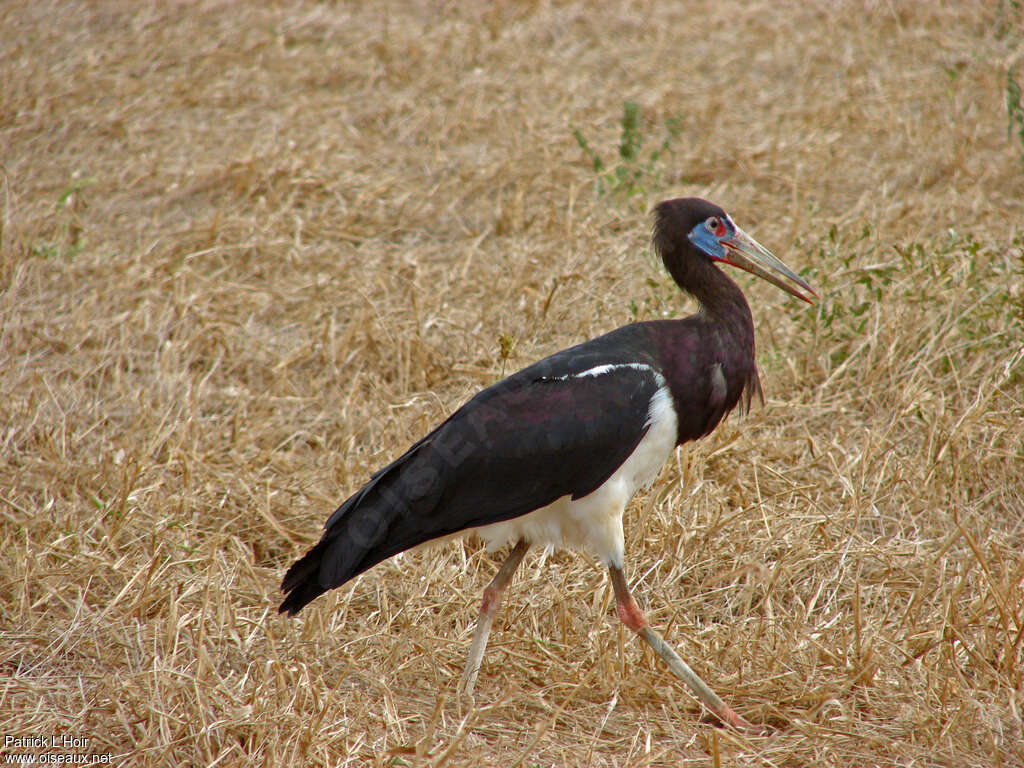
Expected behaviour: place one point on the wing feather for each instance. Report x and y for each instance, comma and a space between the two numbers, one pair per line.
559, 428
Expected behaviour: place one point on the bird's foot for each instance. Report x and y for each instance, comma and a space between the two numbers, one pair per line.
729, 716
466, 700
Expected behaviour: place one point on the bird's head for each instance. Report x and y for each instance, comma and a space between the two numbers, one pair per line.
689, 227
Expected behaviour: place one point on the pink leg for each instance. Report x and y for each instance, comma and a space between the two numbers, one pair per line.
634, 618
492, 601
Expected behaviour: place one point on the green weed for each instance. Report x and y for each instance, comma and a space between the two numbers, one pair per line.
1014, 110
68, 240
630, 174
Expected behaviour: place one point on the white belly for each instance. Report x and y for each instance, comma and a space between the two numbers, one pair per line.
594, 522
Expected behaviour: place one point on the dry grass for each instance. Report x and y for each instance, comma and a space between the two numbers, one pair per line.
251, 251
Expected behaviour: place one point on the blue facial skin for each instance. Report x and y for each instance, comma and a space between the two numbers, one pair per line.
707, 241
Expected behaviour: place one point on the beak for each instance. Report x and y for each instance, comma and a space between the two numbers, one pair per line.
745, 252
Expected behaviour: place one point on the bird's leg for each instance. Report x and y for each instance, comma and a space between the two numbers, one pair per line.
633, 618
491, 603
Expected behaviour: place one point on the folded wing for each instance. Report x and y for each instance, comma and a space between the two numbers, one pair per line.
558, 428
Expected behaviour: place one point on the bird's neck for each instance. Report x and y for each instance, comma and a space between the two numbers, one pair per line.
719, 297
710, 355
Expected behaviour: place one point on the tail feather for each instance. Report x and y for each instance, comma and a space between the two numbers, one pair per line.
301, 583
378, 521
352, 543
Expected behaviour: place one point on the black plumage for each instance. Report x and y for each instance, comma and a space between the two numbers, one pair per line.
587, 425
502, 454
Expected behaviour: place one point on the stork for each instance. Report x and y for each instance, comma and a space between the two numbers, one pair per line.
551, 455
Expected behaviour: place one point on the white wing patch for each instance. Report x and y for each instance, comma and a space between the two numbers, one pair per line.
597, 370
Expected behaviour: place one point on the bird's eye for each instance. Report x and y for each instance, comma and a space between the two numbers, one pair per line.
714, 225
